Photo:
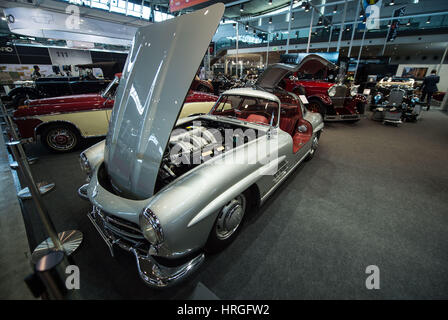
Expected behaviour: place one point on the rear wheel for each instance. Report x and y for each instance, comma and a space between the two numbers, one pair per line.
228, 223
60, 138
314, 145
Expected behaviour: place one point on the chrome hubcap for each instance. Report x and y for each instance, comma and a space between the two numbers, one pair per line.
61, 139
230, 217
314, 144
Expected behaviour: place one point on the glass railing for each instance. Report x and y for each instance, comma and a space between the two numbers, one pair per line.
416, 26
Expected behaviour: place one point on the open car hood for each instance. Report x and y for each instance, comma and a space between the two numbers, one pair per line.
310, 64
161, 64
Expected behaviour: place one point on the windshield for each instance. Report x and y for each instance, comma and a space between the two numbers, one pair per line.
251, 109
109, 92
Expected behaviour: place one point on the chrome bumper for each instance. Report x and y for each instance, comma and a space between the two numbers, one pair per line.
151, 272
344, 117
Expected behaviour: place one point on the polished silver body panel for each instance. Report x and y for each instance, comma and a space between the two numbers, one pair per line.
187, 207
163, 59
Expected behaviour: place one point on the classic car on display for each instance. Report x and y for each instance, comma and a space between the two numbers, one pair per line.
65, 85
335, 102
394, 100
171, 190
63, 122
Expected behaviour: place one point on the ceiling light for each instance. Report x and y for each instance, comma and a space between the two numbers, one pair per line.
303, 4
335, 9
270, 20
429, 20
247, 27
292, 17
361, 14
242, 7
388, 24
270, 2
307, 7
234, 25
392, 2
319, 21
409, 22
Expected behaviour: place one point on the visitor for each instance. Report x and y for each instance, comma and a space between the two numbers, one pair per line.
429, 87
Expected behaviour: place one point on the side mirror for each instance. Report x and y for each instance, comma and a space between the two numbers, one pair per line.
302, 128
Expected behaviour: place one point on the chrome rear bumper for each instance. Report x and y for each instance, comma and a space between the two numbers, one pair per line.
151, 272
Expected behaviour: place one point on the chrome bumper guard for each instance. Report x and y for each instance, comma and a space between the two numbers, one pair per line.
82, 192
151, 272
343, 117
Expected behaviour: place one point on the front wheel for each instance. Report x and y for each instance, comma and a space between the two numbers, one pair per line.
228, 223
60, 138
317, 107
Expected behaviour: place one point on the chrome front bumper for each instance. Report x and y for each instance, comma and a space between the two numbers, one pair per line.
344, 117
151, 272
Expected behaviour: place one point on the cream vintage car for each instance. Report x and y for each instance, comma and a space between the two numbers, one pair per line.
62, 122
172, 191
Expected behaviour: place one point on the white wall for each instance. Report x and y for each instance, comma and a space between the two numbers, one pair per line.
442, 85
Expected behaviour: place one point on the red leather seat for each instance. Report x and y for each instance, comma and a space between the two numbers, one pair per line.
288, 119
257, 118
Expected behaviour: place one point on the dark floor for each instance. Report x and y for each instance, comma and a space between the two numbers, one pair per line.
373, 195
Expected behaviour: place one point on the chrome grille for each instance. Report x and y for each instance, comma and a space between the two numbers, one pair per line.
396, 97
121, 227
339, 97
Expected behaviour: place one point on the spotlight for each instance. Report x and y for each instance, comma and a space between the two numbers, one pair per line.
307, 7
335, 9
409, 23
429, 20
292, 17
247, 27
361, 14
319, 21
270, 2
234, 25
388, 24
270, 20
392, 2
303, 4
241, 7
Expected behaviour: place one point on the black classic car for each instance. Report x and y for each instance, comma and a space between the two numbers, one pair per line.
64, 85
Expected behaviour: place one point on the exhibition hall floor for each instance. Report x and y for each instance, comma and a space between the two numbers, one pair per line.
372, 195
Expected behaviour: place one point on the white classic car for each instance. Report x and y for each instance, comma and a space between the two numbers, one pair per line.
170, 191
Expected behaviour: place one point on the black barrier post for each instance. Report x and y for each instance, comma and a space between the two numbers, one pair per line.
48, 268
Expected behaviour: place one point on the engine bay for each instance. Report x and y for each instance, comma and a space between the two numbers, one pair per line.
198, 141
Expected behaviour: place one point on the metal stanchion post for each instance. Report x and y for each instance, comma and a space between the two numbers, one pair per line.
24, 193
67, 241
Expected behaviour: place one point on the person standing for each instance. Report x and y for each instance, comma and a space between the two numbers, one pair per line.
36, 74
429, 87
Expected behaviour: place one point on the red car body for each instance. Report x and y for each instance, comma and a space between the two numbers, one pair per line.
63, 121
342, 107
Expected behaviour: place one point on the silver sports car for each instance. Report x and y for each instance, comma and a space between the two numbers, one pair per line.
170, 190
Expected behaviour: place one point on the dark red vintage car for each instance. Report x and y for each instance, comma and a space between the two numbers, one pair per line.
62, 122
335, 102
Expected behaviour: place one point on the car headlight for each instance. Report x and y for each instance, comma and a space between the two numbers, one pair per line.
151, 228
354, 90
85, 164
332, 91
377, 97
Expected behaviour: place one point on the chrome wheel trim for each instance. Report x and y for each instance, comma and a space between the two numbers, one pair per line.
230, 217
314, 144
61, 139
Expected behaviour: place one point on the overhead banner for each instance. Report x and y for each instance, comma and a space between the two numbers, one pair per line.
395, 24
176, 5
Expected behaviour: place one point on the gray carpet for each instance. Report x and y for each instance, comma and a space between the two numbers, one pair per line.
372, 195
